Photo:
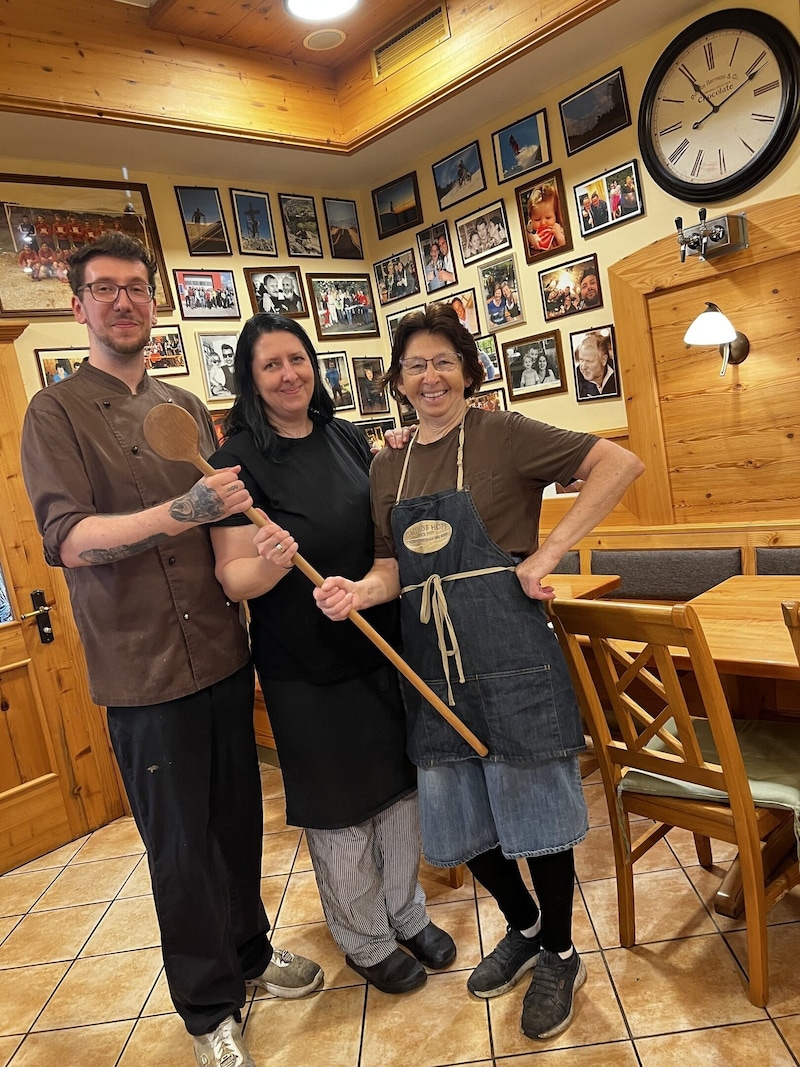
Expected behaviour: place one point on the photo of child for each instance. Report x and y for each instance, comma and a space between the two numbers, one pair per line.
543, 217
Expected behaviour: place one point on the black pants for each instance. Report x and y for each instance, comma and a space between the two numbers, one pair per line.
191, 774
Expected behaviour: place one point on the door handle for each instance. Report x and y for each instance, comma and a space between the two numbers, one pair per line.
41, 612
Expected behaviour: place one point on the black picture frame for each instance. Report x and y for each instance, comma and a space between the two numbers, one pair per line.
344, 232
203, 222
561, 288
610, 198
58, 364
521, 146
542, 237
459, 176
394, 317
396, 277
535, 366
300, 225
437, 272
335, 375
164, 353
595, 112
374, 430
284, 295
218, 289
491, 398
367, 371
339, 312
397, 205
252, 217
484, 232
599, 339
216, 362
465, 304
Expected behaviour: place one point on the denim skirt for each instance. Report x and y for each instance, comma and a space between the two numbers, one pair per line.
528, 809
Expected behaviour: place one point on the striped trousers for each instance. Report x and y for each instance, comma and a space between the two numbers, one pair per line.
367, 881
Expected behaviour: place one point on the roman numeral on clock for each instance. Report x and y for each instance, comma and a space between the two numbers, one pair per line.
766, 88
670, 129
676, 155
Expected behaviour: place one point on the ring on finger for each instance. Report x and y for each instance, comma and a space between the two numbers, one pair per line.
279, 547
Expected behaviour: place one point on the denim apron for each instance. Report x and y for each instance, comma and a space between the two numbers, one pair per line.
480, 643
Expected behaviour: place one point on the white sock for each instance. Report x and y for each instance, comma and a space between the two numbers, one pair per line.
566, 955
532, 931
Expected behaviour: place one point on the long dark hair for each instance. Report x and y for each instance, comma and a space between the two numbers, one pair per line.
248, 412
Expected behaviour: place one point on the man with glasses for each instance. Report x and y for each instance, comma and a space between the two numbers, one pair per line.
166, 652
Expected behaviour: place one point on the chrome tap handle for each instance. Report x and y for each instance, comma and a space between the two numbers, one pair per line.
681, 238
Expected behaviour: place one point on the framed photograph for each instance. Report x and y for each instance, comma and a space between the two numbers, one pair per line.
344, 234
336, 378
397, 205
501, 297
459, 176
218, 417
483, 233
164, 354
535, 366
408, 413
436, 256
42, 220
395, 317
56, 364
217, 351
570, 288
372, 400
543, 217
203, 223
396, 277
489, 357
374, 429
206, 294
612, 197
465, 305
253, 217
521, 147
594, 362
299, 215
278, 290
343, 305
595, 112
491, 399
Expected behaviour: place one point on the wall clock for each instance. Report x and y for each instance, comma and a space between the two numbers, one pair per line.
721, 106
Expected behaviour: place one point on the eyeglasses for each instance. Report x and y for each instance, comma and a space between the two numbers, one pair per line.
107, 292
443, 364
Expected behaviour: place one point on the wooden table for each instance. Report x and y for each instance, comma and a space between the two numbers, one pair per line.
582, 586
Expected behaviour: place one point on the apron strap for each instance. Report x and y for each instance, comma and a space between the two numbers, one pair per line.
407, 457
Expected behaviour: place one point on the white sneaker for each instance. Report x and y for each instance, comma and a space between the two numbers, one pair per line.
223, 1047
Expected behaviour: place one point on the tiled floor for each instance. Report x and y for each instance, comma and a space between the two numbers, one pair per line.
81, 980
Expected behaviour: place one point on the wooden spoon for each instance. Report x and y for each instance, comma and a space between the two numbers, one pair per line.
173, 433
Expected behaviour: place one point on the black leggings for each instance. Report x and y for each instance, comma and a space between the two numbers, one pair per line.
553, 879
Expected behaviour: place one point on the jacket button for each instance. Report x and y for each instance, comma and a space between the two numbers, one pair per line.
135, 450
106, 403
171, 560
186, 616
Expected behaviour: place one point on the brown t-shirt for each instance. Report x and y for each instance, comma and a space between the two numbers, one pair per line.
508, 461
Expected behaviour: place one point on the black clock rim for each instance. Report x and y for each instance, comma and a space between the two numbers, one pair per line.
787, 52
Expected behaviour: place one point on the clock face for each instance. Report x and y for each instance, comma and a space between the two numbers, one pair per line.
720, 108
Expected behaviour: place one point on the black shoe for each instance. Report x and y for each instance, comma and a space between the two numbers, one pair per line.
505, 965
398, 973
548, 1004
433, 947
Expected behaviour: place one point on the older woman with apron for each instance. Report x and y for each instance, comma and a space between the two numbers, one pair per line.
456, 516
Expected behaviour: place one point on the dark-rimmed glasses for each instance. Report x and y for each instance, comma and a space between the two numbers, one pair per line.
107, 292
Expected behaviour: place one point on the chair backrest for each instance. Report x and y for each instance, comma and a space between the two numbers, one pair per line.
632, 647
673, 574
791, 616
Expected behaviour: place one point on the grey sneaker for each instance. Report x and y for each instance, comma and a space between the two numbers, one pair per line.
223, 1047
547, 1008
502, 969
289, 976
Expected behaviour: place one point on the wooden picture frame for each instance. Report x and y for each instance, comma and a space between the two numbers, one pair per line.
609, 198
335, 375
465, 304
367, 371
396, 277
164, 353
595, 364
278, 290
300, 225
438, 271
58, 364
206, 294
595, 112
344, 233
252, 216
535, 366
203, 222
343, 305
459, 176
217, 352
397, 205
49, 204
483, 233
567, 289
522, 146
543, 217
501, 273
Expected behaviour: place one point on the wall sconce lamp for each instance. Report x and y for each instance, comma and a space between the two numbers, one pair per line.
711, 327
319, 10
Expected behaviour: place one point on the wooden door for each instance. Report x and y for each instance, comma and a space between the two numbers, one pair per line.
57, 776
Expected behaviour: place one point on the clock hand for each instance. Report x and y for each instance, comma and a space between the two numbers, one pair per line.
695, 87
716, 107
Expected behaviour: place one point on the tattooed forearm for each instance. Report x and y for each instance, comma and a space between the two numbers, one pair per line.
113, 555
200, 504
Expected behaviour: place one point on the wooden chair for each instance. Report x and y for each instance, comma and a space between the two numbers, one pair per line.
791, 616
678, 770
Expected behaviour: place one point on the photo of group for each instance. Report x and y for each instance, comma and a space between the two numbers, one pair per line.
458, 176
164, 354
217, 351
206, 294
203, 224
278, 291
493, 399
595, 363
253, 217
483, 232
335, 376
342, 305
503, 305
544, 217
522, 146
57, 364
570, 288
372, 400
436, 256
396, 277
535, 366
609, 198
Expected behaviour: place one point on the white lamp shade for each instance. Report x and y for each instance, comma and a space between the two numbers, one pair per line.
710, 327
319, 10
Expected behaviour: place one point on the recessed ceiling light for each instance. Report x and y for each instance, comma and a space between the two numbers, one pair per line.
319, 10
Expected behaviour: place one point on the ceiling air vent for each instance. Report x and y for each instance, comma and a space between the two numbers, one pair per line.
410, 43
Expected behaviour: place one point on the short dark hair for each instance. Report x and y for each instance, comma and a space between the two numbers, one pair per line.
248, 411
590, 272
439, 319
116, 244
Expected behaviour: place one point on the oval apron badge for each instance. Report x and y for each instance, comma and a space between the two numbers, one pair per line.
427, 536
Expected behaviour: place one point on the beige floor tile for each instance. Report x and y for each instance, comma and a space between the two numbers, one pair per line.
597, 1018
275, 815
23, 994
680, 985
118, 838
47, 936
440, 1021
102, 989
620, 1054
303, 859
460, 920
301, 903
314, 941
666, 907
789, 1026
8, 1046
436, 883
138, 884
321, 1029
161, 1041
19, 892
583, 935
59, 857
279, 851
733, 1046
271, 782
98, 1045
7, 924
127, 924
159, 1002
595, 796
784, 978
272, 892
682, 844
87, 883
594, 857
